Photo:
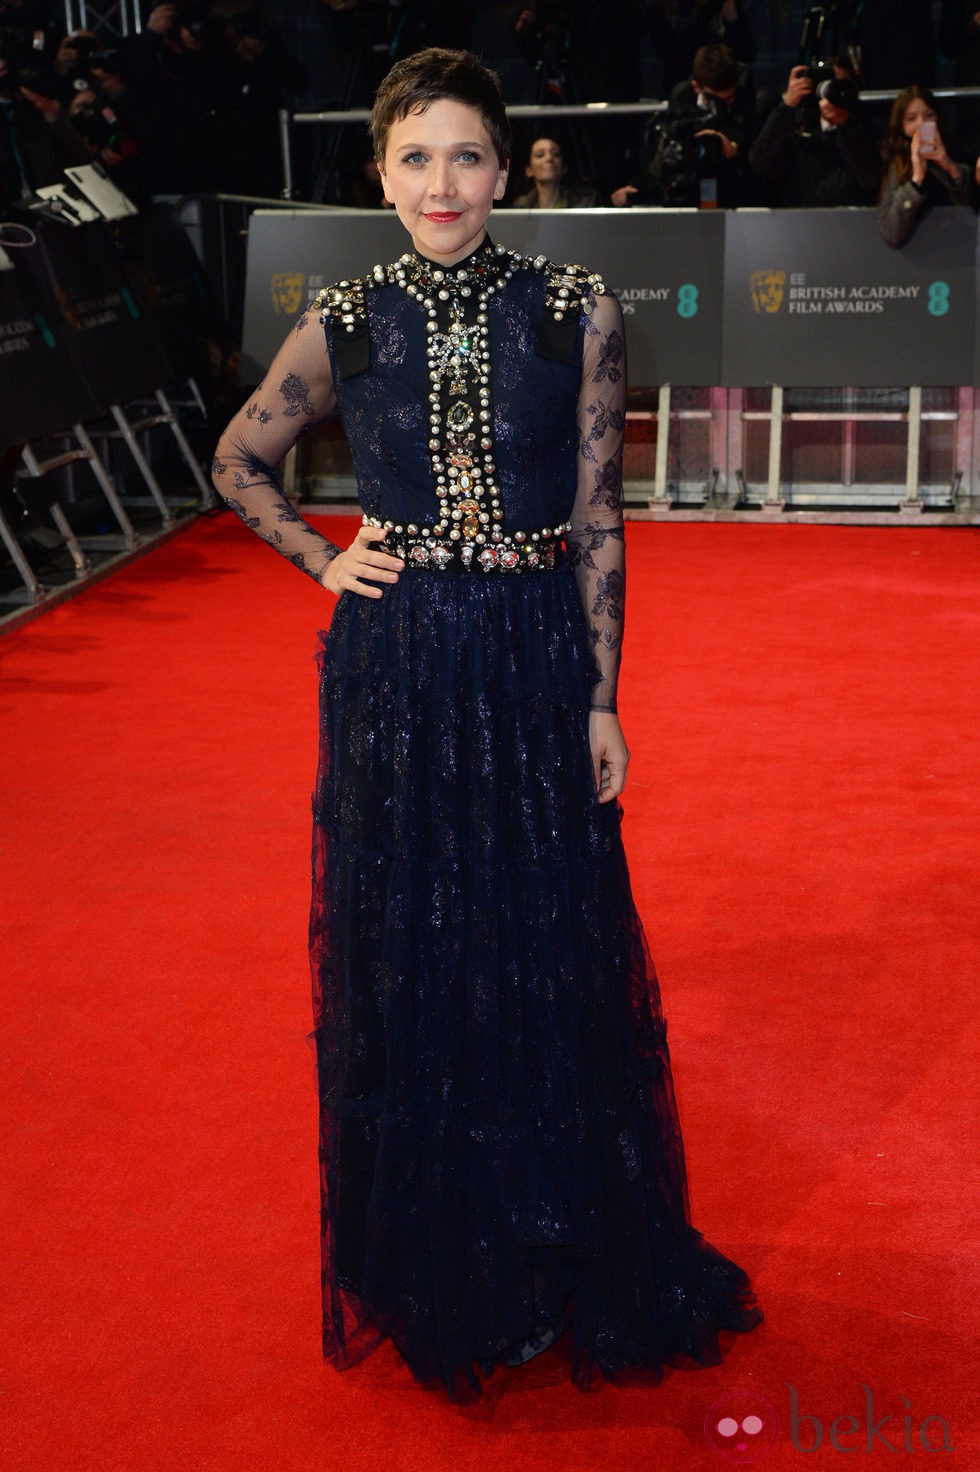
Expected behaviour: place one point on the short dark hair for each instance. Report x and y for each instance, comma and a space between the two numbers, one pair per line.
715, 67
432, 75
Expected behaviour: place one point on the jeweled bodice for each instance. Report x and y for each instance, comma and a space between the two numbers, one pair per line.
490, 407
459, 423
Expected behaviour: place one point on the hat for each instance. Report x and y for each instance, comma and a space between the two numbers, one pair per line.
839, 92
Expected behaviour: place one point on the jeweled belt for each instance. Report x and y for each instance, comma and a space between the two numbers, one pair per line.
539, 551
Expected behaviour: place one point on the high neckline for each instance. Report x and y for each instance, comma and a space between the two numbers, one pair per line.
479, 260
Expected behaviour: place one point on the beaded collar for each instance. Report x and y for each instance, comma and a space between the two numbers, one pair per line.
569, 289
486, 269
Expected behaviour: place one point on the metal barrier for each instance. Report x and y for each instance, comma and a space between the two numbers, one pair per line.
648, 107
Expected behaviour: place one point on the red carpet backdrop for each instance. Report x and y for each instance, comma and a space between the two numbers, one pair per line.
801, 821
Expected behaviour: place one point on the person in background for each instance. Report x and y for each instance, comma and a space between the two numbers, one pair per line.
261, 77
40, 141
708, 127
679, 28
919, 172
895, 40
177, 76
818, 156
550, 191
959, 39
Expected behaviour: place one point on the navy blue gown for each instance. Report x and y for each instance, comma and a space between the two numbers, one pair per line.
499, 1146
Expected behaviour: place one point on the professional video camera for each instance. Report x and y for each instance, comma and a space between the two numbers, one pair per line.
684, 163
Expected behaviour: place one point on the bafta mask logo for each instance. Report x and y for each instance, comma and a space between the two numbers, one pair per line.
287, 292
767, 290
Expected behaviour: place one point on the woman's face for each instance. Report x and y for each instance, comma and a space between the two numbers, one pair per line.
442, 175
917, 113
546, 163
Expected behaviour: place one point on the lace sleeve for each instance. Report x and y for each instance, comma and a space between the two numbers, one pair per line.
295, 396
595, 543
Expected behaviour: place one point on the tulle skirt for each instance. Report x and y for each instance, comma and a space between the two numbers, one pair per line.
499, 1147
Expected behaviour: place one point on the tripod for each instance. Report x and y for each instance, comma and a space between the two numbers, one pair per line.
828, 30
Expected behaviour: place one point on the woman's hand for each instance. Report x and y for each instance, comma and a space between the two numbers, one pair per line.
610, 755
357, 569
936, 154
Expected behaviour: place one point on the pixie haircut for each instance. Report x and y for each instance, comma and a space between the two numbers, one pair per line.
435, 75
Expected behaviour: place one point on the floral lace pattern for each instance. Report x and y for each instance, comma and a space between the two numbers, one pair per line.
596, 541
296, 395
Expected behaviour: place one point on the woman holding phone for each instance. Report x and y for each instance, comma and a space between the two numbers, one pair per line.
918, 170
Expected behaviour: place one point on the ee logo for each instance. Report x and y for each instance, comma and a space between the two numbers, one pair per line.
687, 300
938, 298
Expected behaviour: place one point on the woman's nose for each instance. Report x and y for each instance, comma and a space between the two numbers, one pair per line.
441, 182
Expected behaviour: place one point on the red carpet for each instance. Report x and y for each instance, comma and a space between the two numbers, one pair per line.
802, 707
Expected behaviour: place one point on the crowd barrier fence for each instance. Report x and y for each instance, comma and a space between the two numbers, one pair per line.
100, 329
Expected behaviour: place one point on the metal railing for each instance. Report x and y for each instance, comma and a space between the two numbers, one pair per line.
647, 107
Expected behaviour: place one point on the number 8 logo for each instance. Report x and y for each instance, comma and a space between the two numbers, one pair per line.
687, 300
939, 298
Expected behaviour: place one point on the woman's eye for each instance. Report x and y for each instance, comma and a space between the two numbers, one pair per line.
414, 158
468, 157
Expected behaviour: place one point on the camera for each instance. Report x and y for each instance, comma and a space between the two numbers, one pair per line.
683, 159
95, 120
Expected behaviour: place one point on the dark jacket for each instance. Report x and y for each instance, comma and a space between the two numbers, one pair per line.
570, 197
902, 204
814, 167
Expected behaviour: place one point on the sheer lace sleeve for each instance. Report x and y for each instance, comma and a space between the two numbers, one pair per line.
295, 396
595, 543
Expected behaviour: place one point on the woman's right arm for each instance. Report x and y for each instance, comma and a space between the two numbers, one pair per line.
295, 396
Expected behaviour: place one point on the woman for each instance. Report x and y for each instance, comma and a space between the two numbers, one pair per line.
549, 191
918, 170
500, 1154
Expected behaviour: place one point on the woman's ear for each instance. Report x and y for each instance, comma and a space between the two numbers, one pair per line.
500, 188
383, 175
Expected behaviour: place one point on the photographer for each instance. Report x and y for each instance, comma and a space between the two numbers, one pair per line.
98, 119
816, 148
177, 82
28, 34
262, 77
680, 28
37, 140
701, 145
